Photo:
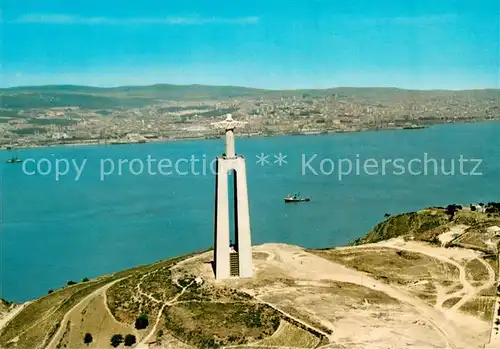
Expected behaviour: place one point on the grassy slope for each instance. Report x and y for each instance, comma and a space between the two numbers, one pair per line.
41, 318
427, 224
418, 224
234, 317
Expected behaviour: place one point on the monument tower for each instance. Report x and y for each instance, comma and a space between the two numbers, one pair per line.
235, 260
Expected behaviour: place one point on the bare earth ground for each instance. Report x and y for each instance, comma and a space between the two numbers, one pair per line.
361, 309
392, 294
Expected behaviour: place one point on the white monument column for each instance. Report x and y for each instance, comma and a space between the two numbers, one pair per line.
229, 262
221, 238
243, 217
230, 151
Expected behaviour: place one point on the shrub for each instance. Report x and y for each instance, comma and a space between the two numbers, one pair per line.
116, 340
493, 207
87, 339
50, 291
85, 279
6, 302
185, 281
129, 340
450, 210
435, 240
141, 322
70, 282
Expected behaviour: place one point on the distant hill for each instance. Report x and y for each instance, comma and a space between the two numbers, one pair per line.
26, 97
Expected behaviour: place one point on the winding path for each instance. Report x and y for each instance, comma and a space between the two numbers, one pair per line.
469, 291
53, 342
143, 344
312, 267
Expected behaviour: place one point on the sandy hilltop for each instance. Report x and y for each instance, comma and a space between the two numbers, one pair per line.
424, 279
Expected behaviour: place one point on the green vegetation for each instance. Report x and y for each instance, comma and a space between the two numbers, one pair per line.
5, 113
60, 122
476, 271
129, 340
4, 305
493, 207
39, 320
29, 131
424, 225
154, 280
428, 224
116, 340
209, 293
36, 324
142, 322
289, 335
214, 324
35, 99
210, 315
4, 302
87, 339
137, 96
124, 302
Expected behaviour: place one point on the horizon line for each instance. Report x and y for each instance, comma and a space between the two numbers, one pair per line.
251, 87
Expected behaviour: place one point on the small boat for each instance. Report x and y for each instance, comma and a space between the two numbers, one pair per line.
296, 198
413, 127
14, 160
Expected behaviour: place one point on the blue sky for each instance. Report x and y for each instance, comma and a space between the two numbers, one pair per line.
422, 44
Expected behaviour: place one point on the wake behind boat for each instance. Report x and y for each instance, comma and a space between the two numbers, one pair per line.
296, 198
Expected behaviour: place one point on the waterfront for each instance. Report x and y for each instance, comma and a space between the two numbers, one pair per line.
55, 231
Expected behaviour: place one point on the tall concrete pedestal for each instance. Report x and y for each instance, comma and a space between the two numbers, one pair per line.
236, 260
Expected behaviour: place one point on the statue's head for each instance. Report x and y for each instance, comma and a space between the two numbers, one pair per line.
229, 117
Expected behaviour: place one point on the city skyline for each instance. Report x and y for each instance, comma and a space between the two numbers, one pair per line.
308, 44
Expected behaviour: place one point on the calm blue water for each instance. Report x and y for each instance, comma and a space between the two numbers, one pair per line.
55, 231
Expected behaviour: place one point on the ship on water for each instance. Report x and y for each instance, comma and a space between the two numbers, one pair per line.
296, 198
14, 160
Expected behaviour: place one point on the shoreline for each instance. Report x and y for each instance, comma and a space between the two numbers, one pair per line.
92, 142
18, 306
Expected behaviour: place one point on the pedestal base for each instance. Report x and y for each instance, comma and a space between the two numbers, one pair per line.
243, 246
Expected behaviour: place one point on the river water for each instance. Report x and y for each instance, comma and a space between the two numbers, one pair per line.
100, 213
